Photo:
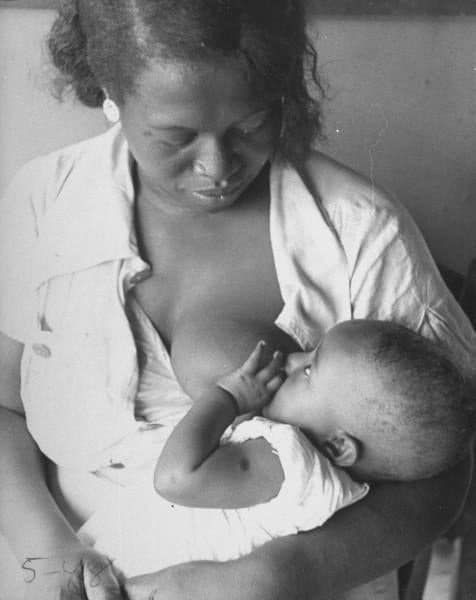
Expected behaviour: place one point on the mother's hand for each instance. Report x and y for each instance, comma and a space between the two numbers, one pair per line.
396, 520
78, 574
199, 580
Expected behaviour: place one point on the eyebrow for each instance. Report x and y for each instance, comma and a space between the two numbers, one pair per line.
170, 127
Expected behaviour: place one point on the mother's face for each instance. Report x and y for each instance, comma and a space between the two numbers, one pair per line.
198, 133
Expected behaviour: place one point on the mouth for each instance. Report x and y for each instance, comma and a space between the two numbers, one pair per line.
217, 193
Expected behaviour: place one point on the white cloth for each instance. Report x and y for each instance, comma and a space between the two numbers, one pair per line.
69, 254
342, 249
142, 532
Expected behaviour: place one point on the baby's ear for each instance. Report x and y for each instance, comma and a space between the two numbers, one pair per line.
342, 449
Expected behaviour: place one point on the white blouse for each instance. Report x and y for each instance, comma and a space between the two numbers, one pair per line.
69, 255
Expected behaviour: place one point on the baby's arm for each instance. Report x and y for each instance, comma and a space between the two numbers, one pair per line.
195, 470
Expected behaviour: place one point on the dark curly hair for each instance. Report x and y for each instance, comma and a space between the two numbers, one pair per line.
104, 44
432, 400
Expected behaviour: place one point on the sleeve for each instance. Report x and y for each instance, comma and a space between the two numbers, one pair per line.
394, 277
18, 235
313, 488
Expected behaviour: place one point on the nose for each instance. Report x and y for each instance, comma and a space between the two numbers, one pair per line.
297, 360
215, 161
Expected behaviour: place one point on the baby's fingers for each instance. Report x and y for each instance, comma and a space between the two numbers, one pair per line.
272, 368
275, 383
252, 363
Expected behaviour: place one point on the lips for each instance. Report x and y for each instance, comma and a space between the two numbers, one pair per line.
215, 193
211, 193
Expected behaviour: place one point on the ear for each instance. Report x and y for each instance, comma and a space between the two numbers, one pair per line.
342, 449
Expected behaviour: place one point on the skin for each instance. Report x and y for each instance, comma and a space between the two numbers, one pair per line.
329, 394
226, 289
194, 469
198, 318
206, 115
317, 392
41, 538
191, 127
204, 304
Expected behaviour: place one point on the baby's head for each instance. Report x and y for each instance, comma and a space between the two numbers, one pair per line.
381, 400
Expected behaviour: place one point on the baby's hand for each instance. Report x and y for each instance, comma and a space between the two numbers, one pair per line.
252, 386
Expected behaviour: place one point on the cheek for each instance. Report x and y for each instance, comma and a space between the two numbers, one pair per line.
286, 402
174, 167
257, 151
162, 166
265, 147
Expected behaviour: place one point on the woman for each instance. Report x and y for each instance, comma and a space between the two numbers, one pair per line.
202, 217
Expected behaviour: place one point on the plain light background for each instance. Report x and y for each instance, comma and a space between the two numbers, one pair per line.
401, 109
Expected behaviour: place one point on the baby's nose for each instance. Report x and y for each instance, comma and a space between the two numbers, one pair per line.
297, 360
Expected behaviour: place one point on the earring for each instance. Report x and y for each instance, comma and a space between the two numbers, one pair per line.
111, 110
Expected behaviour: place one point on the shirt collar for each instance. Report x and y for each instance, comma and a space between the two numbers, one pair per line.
90, 216
90, 220
311, 264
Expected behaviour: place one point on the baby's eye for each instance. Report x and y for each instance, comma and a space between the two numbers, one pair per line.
307, 371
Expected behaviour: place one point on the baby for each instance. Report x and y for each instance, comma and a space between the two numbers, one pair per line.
374, 398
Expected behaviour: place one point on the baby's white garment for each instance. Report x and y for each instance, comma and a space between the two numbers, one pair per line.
143, 532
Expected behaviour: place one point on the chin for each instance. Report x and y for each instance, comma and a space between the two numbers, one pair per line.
270, 412
267, 413
212, 203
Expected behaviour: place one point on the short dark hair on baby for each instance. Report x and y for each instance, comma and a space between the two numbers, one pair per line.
433, 404
105, 44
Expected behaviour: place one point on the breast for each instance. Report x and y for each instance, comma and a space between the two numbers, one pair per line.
214, 292
209, 345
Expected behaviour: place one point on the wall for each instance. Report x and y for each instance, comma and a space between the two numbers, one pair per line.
31, 120
402, 109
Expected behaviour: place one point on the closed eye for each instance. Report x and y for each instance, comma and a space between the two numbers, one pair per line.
177, 139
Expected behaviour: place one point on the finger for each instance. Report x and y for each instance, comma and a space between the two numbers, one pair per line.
272, 368
72, 589
142, 587
275, 383
101, 582
252, 363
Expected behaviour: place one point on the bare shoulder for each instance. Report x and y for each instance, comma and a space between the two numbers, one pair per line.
246, 473
268, 474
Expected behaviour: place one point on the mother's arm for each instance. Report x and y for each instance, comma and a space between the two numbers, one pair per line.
53, 561
359, 543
